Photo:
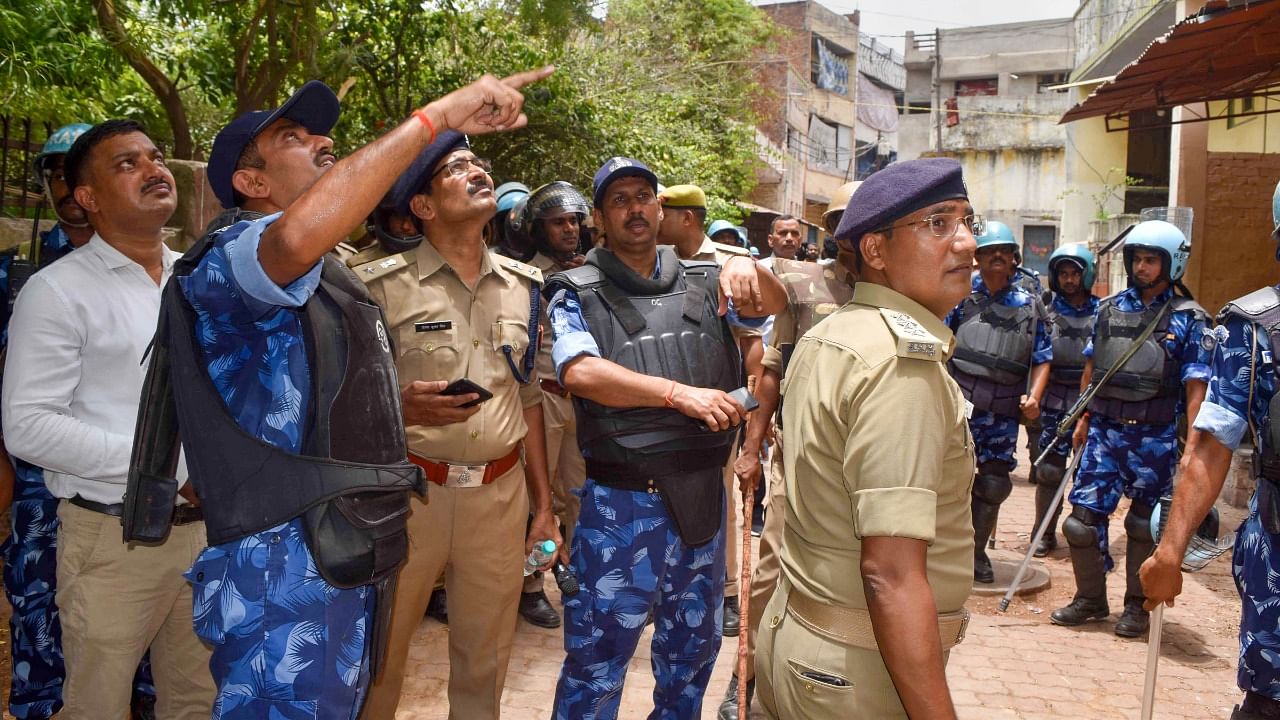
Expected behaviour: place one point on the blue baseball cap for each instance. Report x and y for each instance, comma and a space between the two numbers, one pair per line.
313, 106
616, 168
418, 175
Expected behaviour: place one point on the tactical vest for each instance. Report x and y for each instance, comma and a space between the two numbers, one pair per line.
1070, 335
993, 352
1262, 307
668, 328
1147, 389
813, 291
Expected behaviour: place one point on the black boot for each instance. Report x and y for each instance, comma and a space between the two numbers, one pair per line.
438, 606
1090, 602
142, 706
732, 623
729, 706
1137, 523
1256, 707
984, 521
537, 610
1049, 542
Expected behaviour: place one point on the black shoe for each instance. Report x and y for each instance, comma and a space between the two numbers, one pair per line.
729, 706
757, 520
1048, 544
535, 608
1133, 621
1079, 612
982, 572
142, 706
732, 620
438, 606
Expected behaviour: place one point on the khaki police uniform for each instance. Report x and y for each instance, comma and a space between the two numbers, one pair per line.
566, 468
719, 253
474, 532
871, 369
813, 292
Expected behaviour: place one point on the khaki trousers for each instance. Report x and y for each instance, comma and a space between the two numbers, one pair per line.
476, 535
116, 600
790, 654
566, 469
764, 575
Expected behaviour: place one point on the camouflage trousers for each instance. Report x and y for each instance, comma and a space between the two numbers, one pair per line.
631, 562
995, 437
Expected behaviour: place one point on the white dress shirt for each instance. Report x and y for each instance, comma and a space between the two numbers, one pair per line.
74, 372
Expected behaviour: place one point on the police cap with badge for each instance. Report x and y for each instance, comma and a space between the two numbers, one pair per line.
897, 191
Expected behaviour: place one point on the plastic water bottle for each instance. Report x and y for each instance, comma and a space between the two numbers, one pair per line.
542, 552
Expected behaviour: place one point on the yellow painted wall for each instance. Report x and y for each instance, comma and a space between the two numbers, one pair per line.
1094, 158
1256, 134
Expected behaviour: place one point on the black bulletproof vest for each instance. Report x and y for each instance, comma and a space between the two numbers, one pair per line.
667, 328
353, 451
1070, 335
1147, 389
993, 352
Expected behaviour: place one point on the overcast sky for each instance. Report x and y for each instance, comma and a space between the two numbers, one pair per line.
895, 17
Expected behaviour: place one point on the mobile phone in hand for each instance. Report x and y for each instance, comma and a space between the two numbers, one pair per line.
744, 398
465, 386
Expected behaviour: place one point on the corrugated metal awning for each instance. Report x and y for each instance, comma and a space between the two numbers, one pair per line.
1228, 50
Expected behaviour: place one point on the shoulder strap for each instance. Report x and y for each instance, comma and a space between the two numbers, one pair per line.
583, 277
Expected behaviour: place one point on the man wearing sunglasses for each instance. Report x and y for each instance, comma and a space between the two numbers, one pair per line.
1001, 341
458, 310
877, 545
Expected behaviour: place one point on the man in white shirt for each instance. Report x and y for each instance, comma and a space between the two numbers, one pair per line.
73, 377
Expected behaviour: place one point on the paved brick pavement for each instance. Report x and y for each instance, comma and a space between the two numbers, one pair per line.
1015, 665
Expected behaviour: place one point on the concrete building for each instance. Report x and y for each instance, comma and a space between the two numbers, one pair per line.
1188, 118
815, 135
990, 97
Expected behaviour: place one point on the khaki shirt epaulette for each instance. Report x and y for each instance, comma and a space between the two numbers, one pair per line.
913, 341
367, 255
519, 268
374, 269
731, 249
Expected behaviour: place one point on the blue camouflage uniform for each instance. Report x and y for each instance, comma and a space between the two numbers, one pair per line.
1137, 460
286, 644
630, 559
30, 559
1242, 365
1051, 418
995, 437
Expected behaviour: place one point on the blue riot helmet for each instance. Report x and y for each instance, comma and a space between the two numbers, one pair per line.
1275, 218
508, 193
742, 236
58, 144
1161, 237
1078, 255
719, 226
995, 232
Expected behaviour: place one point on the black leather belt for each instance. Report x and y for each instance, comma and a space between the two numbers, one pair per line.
182, 514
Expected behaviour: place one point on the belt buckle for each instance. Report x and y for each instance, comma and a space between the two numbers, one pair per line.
463, 476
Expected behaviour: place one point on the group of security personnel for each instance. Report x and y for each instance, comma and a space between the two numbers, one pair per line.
589, 399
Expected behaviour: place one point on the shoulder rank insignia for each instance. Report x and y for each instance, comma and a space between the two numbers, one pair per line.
730, 249
367, 272
518, 267
913, 340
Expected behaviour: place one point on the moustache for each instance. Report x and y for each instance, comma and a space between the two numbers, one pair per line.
325, 156
475, 187
154, 182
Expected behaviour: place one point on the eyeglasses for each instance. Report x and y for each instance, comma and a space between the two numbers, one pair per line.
946, 226
461, 166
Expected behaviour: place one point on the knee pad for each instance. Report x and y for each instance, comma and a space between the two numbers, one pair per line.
1081, 528
1051, 471
992, 489
1137, 523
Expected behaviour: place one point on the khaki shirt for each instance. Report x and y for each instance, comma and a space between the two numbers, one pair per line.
719, 253
813, 292
444, 331
877, 444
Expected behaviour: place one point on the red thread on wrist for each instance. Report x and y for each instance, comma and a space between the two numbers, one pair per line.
670, 396
426, 120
